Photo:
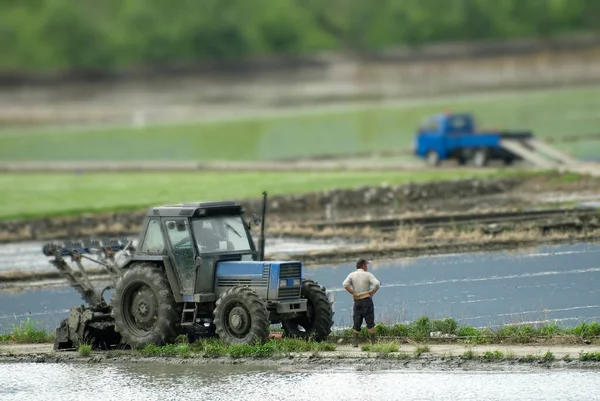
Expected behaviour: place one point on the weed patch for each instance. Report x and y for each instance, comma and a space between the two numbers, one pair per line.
181, 350
548, 357
421, 349
589, 356
493, 355
382, 348
468, 354
213, 348
421, 329
85, 350
27, 331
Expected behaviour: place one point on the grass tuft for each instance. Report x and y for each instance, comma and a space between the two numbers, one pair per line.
493, 355
85, 350
421, 349
381, 348
549, 357
468, 354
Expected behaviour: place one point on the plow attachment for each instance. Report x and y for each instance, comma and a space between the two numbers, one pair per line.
91, 324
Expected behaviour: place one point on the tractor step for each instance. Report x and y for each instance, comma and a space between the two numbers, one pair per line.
189, 313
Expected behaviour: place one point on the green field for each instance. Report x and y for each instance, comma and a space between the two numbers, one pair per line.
548, 113
43, 195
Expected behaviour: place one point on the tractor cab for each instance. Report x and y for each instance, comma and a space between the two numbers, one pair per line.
193, 237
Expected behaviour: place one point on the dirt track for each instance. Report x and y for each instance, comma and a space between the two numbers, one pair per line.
439, 356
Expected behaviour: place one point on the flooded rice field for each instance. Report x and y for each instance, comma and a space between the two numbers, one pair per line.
27, 256
550, 283
30, 381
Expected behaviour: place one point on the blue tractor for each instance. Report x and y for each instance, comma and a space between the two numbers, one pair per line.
194, 271
447, 136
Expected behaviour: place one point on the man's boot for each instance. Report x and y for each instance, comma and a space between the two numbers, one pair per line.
372, 338
355, 340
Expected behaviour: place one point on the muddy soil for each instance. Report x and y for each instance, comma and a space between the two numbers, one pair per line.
439, 356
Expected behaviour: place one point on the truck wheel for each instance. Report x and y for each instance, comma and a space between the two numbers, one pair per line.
144, 308
241, 317
316, 323
433, 159
480, 158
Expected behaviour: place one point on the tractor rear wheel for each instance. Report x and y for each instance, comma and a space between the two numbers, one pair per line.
241, 317
144, 308
316, 323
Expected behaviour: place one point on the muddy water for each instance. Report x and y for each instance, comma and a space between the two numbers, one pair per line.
558, 283
234, 382
551, 283
28, 256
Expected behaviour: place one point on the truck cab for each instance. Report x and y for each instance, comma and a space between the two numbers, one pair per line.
446, 136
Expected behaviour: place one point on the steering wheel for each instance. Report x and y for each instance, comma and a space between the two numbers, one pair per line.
181, 242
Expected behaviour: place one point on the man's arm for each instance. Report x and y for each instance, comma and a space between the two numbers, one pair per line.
375, 283
347, 285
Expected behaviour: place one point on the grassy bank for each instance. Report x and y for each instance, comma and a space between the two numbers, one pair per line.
448, 329
549, 113
212, 348
45, 195
422, 330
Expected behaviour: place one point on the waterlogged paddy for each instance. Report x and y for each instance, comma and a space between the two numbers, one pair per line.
551, 283
30, 381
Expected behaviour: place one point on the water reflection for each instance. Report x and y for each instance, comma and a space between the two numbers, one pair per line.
238, 382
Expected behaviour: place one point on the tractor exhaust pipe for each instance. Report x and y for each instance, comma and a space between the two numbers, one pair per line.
261, 240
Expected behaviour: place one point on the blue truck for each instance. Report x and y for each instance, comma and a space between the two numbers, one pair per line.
446, 136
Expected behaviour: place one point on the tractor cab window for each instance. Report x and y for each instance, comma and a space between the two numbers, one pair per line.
221, 234
182, 248
153, 241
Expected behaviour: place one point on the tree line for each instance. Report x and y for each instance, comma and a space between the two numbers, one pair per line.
104, 34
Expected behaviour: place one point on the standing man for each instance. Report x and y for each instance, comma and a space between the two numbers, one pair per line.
358, 283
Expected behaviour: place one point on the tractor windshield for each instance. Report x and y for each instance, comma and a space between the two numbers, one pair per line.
220, 234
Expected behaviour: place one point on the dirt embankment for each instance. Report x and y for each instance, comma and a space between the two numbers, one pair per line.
324, 205
419, 357
465, 196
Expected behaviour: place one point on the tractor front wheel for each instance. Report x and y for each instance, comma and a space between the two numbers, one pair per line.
316, 323
144, 308
241, 317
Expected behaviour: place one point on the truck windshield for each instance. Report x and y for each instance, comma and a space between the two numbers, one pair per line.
220, 234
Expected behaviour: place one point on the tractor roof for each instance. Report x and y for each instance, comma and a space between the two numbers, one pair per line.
200, 209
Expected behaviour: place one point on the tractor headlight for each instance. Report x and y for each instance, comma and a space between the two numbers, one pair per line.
296, 282
282, 283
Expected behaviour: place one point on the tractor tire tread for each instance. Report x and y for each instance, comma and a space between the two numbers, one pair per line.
323, 310
169, 318
259, 328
